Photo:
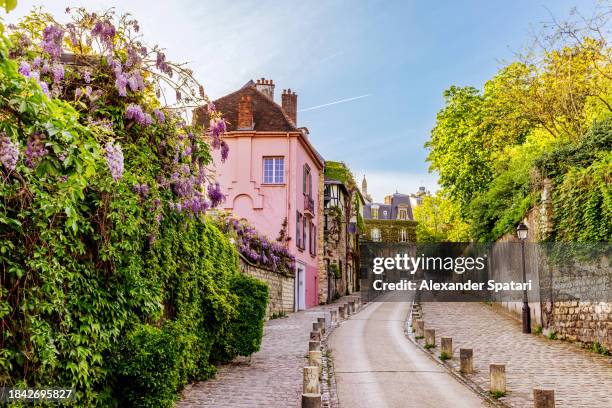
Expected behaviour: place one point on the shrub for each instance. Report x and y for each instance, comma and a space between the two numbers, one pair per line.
245, 331
148, 365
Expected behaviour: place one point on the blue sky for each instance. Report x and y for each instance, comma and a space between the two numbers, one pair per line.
402, 54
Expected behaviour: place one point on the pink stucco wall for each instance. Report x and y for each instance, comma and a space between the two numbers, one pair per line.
266, 206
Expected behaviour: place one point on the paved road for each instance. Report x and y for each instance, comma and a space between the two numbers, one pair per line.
377, 367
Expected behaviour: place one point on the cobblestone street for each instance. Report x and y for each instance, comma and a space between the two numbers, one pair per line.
579, 378
274, 376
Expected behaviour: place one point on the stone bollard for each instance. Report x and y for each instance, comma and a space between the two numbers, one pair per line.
315, 335
311, 400
315, 359
497, 373
342, 312
543, 398
334, 316
348, 309
311, 384
314, 345
322, 324
430, 337
420, 328
466, 357
446, 346
353, 308
316, 326
311, 390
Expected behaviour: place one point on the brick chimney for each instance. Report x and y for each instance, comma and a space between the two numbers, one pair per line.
266, 87
289, 103
245, 113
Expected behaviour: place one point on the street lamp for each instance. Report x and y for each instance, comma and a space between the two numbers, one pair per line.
522, 232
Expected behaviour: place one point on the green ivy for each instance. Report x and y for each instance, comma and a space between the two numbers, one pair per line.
103, 289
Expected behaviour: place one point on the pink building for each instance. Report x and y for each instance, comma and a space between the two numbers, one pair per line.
272, 175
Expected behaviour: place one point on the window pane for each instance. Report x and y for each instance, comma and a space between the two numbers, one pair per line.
279, 169
268, 170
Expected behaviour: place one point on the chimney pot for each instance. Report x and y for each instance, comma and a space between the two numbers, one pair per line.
266, 87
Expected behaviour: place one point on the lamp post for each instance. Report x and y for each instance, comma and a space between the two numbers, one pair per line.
522, 232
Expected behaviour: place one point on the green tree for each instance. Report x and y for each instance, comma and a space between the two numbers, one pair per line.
439, 220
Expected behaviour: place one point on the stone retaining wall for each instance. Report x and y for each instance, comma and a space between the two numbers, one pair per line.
280, 287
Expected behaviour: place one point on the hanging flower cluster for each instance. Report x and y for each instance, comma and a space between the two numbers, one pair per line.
114, 159
256, 247
9, 152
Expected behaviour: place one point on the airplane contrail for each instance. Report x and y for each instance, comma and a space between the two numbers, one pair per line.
335, 102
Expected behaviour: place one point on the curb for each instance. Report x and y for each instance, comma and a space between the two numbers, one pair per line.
458, 376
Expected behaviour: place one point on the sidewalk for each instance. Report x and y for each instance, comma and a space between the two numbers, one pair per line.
580, 378
274, 376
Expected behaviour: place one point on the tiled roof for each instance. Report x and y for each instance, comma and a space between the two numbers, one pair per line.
267, 114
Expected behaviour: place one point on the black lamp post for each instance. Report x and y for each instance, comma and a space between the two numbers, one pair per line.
521, 233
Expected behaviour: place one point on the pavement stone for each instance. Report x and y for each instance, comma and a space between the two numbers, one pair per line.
580, 378
272, 378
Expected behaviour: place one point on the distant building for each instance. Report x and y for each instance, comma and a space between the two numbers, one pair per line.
342, 225
393, 219
273, 176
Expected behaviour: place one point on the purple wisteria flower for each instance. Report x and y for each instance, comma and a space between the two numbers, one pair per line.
105, 31
87, 77
224, 151
114, 160
9, 152
24, 69
53, 36
135, 82
45, 88
134, 112
159, 115
121, 83
37, 62
215, 195
58, 73
141, 189
35, 150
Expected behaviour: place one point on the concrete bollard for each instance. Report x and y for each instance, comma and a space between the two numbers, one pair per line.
353, 307
420, 328
543, 398
322, 324
466, 357
348, 309
311, 384
430, 337
334, 316
446, 346
315, 335
315, 359
314, 345
311, 400
497, 373
316, 326
342, 312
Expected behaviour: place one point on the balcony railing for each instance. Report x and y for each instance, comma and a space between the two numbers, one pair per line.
309, 204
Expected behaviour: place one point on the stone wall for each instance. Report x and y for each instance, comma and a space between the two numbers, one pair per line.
570, 299
280, 287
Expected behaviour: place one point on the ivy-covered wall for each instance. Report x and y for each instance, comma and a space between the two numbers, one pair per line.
390, 230
114, 281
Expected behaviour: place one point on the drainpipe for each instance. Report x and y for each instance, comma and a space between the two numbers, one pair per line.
288, 211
